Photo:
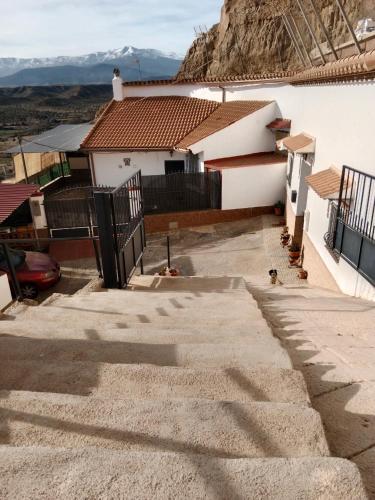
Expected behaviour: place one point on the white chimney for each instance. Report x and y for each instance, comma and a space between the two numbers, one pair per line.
117, 85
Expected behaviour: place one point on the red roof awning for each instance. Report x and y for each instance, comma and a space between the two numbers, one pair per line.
280, 124
12, 196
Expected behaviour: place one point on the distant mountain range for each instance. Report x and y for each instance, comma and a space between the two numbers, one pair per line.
93, 68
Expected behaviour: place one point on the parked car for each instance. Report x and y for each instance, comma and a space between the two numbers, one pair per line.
35, 271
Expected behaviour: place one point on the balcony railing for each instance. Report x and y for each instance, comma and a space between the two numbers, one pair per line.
351, 232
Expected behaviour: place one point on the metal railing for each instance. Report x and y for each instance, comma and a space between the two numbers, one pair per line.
181, 192
354, 234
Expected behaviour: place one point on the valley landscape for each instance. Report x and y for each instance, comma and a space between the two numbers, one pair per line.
38, 94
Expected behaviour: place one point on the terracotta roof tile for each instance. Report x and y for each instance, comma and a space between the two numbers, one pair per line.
163, 123
300, 143
12, 196
253, 160
213, 79
226, 114
148, 123
325, 183
280, 124
348, 68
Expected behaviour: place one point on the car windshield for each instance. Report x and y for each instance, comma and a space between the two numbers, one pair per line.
17, 256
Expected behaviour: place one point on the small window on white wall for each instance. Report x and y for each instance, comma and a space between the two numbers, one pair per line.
127, 162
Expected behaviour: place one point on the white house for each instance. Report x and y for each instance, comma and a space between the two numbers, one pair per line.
332, 116
174, 133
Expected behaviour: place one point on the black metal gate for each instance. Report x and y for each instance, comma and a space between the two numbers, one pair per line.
120, 223
354, 237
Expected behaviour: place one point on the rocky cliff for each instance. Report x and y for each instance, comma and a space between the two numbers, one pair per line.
251, 37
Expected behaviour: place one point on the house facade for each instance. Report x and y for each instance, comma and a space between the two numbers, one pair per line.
331, 113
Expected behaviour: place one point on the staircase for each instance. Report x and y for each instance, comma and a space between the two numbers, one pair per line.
175, 388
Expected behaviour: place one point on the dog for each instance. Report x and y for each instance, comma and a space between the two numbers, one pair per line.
274, 277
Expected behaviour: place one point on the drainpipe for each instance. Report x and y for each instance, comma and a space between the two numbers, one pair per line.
224, 98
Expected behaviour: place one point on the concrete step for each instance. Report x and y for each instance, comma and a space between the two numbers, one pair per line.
193, 355
31, 325
146, 381
103, 312
90, 473
258, 334
190, 284
214, 428
174, 307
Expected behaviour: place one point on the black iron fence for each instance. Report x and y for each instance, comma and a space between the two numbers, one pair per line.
181, 192
72, 212
353, 220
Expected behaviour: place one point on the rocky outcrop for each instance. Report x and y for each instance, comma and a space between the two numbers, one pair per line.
251, 37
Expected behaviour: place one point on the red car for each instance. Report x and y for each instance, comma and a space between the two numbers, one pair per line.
35, 271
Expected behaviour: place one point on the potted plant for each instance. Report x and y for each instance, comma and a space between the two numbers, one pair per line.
294, 251
302, 274
285, 236
279, 208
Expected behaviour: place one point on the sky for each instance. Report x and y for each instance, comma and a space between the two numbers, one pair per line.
45, 28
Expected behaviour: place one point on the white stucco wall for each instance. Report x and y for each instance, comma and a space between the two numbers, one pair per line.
301, 169
246, 136
200, 91
348, 280
256, 186
38, 212
110, 169
5, 294
339, 115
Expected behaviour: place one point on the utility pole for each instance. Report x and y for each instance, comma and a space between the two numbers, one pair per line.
349, 26
23, 159
312, 33
321, 24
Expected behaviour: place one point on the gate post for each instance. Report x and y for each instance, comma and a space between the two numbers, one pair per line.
105, 231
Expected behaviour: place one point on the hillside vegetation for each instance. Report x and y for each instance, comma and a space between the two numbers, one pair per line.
30, 110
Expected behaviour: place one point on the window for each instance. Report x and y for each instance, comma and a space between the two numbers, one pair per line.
127, 162
174, 167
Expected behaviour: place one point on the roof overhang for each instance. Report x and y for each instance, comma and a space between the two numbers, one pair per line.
12, 196
326, 183
298, 144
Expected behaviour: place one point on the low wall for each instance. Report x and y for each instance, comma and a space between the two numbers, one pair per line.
319, 275
71, 250
257, 186
179, 220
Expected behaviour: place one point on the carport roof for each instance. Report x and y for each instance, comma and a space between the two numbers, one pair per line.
64, 138
12, 196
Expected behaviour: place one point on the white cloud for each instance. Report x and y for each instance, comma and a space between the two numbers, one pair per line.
32, 28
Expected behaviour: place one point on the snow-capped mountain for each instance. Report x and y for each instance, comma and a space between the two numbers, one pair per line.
11, 65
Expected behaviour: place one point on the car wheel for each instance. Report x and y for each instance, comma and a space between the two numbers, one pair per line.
29, 290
